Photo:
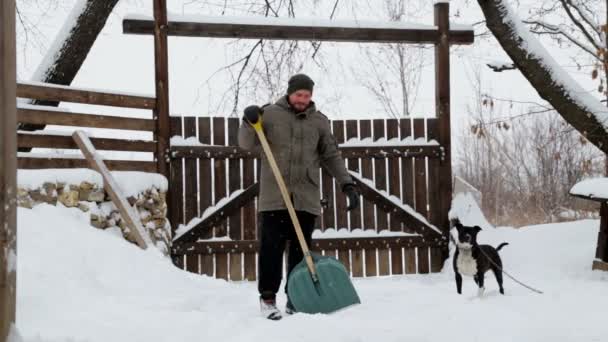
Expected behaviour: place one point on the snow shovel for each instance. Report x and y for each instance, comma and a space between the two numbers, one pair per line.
318, 284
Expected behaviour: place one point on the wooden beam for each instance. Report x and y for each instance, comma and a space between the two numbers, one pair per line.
161, 77
235, 152
235, 30
416, 224
220, 214
8, 172
71, 163
442, 107
65, 141
42, 116
136, 230
251, 246
52, 92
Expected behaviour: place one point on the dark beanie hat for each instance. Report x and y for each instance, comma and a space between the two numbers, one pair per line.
298, 82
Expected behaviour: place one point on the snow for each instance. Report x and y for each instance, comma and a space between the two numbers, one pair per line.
560, 77
183, 229
397, 201
332, 233
176, 140
78, 283
131, 183
466, 209
593, 188
409, 141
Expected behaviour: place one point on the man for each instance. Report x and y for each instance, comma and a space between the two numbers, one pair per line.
301, 141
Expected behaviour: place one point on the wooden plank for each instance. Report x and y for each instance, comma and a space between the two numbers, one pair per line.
410, 260
8, 170
341, 214
205, 189
331, 245
72, 163
235, 231
176, 198
219, 215
42, 116
437, 259
357, 254
407, 167
601, 251
438, 255
54, 92
161, 80
394, 188
369, 215
66, 142
423, 260
380, 177
420, 177
379, 151
442, 107
354, 216
190, 179
136, 230
219, 165
282, 30
192, 263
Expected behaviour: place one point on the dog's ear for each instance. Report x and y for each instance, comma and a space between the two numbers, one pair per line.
477, 229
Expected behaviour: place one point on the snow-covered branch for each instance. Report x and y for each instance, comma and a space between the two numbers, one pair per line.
577, 106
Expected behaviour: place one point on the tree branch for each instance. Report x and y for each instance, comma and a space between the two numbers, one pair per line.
556, 30
578, 23
576, 106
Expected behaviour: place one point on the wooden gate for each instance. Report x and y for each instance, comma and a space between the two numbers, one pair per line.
394, 162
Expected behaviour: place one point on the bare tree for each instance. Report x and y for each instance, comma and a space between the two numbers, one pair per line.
391, 72
580, 109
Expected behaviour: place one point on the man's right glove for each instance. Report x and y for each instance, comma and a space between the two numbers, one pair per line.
353, 196
252, 114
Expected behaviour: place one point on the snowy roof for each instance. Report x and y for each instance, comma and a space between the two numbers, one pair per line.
595, 189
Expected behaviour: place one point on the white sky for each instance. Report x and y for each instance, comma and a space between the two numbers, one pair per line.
125, 62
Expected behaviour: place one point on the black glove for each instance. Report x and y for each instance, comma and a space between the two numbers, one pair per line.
353, 196
252, 114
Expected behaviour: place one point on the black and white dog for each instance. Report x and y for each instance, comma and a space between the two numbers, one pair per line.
474, 260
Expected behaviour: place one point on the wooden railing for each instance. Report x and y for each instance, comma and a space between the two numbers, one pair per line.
42, 115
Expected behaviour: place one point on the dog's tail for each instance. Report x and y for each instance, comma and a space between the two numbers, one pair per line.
501, 246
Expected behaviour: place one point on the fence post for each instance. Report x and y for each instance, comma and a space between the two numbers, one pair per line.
161, 112
8, 169
442, 107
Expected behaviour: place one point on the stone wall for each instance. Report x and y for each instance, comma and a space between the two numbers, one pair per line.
92, 198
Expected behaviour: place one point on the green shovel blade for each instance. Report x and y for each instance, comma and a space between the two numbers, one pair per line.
333, 290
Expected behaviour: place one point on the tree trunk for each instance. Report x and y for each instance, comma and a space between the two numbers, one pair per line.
540, 76
69, 55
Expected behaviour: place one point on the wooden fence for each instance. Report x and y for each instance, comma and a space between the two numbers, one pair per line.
214, 192
43, 115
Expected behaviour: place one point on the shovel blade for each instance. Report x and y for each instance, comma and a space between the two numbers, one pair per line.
333, 290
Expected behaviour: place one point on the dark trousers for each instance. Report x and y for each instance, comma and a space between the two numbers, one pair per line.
276, 230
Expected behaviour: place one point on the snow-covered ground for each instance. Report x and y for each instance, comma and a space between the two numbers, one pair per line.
78, 283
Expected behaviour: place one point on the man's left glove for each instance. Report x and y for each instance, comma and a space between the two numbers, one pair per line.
353, 196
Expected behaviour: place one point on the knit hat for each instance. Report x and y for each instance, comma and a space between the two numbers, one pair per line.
298, 82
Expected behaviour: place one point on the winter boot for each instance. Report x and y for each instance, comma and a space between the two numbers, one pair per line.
269, 309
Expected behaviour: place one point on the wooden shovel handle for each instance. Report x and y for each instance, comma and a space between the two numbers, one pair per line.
285, 193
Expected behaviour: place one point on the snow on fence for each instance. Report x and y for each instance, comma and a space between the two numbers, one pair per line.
214, 187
